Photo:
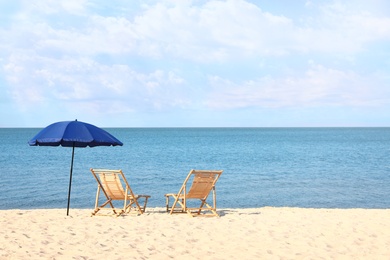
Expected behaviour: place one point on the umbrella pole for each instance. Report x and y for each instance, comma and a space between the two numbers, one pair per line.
70, 180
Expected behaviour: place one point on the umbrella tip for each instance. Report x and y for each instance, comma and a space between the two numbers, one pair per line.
76, 119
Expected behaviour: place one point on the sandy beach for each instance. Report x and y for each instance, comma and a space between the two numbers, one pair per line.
258, 233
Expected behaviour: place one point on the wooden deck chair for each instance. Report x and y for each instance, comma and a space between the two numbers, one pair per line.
202, 183
114, 186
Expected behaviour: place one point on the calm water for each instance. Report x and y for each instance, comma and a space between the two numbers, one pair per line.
302, 167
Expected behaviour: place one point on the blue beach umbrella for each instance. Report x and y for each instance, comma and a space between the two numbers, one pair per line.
73, 134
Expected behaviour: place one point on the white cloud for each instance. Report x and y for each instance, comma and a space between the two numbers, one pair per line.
55, 7
86, 81
318, 86
214, 31
156, 56
224, 30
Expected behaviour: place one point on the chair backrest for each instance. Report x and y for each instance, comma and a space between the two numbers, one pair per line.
202, 183
111, 182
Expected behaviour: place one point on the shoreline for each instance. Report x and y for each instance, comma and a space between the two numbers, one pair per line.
262, 233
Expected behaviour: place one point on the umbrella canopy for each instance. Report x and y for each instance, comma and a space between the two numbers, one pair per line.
73, 134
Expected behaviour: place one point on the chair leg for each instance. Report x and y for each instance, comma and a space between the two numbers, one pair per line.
140, 207
146, 201
97, 201
98, 208
167, 202
201, 206
174, 204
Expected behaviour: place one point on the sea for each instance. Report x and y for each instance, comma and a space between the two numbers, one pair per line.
277, 167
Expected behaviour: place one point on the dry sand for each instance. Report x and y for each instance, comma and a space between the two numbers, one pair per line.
260, 233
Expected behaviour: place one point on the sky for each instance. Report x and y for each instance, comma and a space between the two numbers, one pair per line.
184, 63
